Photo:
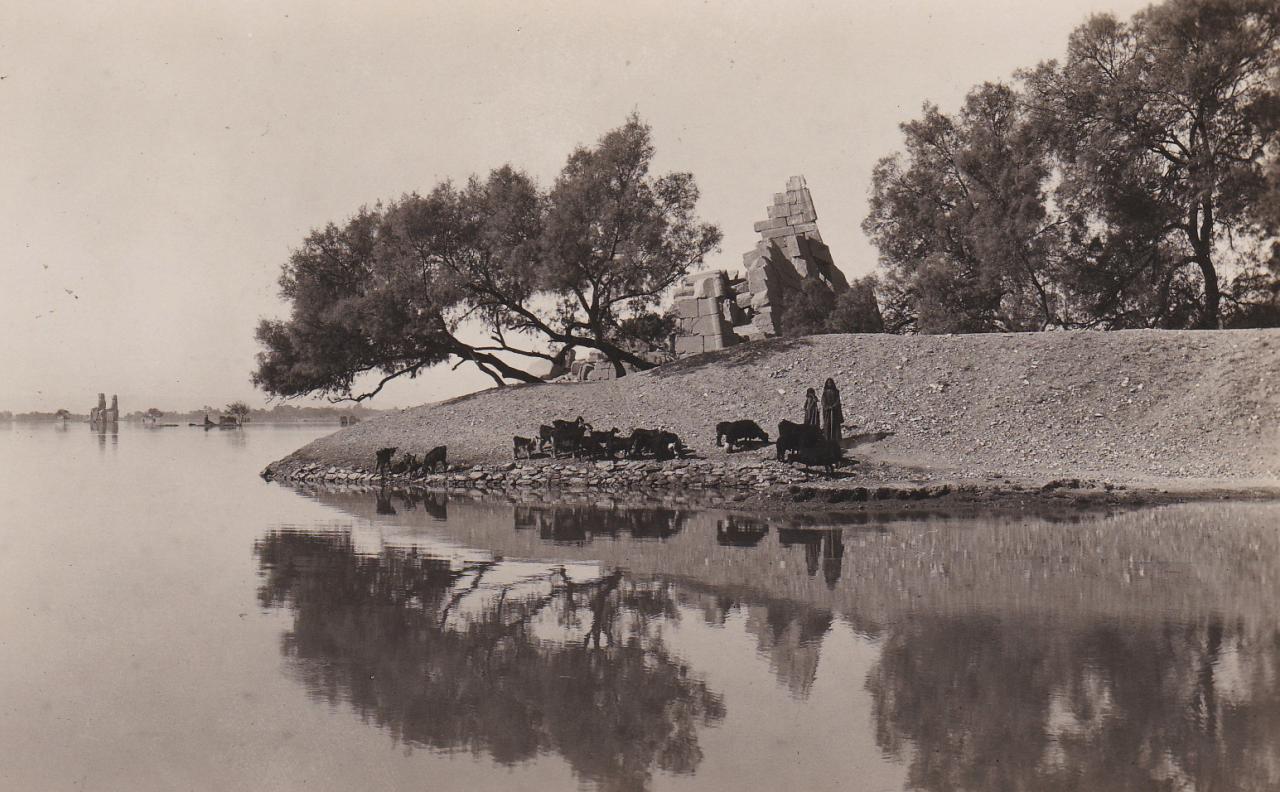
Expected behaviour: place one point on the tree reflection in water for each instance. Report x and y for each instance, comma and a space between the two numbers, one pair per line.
1021, 704
469, 658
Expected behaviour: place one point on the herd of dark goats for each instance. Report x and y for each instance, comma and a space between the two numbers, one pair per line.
805, 443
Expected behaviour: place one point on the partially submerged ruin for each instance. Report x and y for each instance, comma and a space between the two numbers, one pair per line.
715, 309
102, 415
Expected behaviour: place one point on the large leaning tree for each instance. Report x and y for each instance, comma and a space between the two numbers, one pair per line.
532, 273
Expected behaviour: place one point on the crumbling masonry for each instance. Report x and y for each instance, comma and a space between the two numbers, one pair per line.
715, 310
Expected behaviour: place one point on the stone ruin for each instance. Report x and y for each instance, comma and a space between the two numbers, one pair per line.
715, 310
594, 365
102, 414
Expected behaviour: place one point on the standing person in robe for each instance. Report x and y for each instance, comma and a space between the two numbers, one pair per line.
812, 412
832, 417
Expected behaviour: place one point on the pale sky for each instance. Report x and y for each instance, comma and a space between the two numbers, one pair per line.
161, 159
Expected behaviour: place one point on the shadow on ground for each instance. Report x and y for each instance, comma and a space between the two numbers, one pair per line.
742, 355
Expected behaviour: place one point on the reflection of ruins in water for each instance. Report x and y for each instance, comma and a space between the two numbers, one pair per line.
1126, 651
107, 433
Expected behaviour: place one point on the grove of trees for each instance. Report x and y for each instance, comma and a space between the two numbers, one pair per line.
1134, 184
401, 287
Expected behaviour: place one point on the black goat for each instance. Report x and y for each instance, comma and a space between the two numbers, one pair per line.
383, 457
733, 433
804, 443
435, 457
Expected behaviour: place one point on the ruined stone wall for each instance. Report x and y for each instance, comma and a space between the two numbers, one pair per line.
706, 312
593, 365
715, 310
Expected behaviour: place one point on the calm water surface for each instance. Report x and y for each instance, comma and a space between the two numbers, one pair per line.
170, 621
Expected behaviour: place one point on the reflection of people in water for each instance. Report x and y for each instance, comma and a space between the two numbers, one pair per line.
812, 541
822, 550
832, 556
453, 658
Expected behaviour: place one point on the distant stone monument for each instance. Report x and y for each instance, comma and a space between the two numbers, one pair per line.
102, 415
715, 310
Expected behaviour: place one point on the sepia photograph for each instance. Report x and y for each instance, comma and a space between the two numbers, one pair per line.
640, 397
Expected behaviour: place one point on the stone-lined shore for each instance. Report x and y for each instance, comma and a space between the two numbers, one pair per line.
569, 474
756, 484
754, 479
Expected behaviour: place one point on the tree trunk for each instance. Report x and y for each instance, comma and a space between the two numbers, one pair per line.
1202, 244
1209, 319
508, 371
483, 359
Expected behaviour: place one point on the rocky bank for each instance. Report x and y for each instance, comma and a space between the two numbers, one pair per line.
1193, 411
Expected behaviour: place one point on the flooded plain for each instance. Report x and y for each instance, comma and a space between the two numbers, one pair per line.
170, 621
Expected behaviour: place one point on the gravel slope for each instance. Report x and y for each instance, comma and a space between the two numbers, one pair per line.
1140, 406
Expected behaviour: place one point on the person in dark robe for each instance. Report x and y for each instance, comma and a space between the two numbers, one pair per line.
812, 411
832, 417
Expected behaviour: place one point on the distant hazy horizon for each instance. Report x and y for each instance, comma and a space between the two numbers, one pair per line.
162, 159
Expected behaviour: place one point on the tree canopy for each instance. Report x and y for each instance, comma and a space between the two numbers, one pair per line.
816, 309
1133, 184
402, 287
962, 225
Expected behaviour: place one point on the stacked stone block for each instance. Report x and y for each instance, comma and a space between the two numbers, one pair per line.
705, 313
790, 251
716, 311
